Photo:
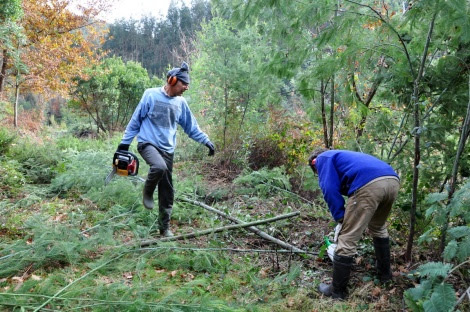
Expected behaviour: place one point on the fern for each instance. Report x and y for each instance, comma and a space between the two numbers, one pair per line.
434, 270
265, 182
460, 203
432, 294
442, 299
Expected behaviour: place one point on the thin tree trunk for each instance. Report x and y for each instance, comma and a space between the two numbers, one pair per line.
3, 70
17, 95
417, 134
332, 112
323, 113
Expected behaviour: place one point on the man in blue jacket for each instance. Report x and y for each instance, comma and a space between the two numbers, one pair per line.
154, 122
371, 186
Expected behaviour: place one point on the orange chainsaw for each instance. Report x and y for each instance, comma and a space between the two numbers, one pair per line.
125, 163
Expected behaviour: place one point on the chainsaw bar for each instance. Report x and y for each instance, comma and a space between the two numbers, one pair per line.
110, 176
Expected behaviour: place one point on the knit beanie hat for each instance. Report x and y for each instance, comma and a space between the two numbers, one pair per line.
182, 73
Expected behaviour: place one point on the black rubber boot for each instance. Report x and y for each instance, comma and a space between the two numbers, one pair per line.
382, 253
151, 183
147, 196
166, 233
341, 270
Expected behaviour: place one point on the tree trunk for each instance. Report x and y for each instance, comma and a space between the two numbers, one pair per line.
3, 70
332, 112
17, 95
323, 113
417, 149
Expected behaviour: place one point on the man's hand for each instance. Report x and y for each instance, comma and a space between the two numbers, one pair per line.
211, 148
123, 147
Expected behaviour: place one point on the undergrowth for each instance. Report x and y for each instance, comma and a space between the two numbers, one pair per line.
71, 243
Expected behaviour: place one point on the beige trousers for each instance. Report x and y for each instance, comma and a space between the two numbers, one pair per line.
367, 207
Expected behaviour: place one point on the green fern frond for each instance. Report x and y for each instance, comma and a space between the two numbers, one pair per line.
464, 249
435, 269
451, 250
442, 299
459, 231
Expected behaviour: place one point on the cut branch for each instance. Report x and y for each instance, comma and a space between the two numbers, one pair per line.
251, 228
216, 230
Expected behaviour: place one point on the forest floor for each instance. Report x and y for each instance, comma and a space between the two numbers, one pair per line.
307, 232
187, 275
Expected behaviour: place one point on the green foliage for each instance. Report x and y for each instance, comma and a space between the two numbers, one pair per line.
10, 10
12, 178
82, 171
458, 241
6, 139
38, 161
230, 63
432, 294
264, 182
48, 244
111, 92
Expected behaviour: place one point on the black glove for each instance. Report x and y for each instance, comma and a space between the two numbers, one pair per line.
123, 147
211, 148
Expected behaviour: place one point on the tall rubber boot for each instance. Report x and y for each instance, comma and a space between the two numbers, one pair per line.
150, 185
341, 270
382, 253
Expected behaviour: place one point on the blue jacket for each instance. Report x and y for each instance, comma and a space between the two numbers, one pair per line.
341, 173
155, 121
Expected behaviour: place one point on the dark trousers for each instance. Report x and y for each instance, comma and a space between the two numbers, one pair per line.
160, 174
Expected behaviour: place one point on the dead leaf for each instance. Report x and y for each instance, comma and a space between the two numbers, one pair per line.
127, 275
160, 271
376, 291
35, 277
173, 273
290, 302
264, 272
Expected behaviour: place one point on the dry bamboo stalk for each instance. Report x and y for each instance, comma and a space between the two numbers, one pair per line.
216, 230
250, 228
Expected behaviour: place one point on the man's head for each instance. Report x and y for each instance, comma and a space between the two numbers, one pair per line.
178, 80
313, 157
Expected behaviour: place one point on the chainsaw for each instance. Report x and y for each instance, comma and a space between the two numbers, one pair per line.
125, 163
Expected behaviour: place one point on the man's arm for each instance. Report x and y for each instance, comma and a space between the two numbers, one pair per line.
330, 185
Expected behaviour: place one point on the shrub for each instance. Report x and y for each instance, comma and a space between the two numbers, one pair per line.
264, 182
6, 139
38, 161
265, 152
12, 179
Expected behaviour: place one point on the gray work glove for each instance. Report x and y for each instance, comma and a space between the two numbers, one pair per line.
332, 248
338, 228
331, 251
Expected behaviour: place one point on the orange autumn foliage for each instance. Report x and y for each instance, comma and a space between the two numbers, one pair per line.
63, 37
